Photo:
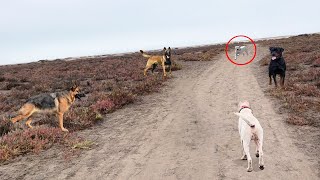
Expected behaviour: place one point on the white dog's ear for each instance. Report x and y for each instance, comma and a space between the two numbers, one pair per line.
246, 102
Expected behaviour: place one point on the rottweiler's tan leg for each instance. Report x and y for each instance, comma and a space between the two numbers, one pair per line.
28, 122
60, 117
170, 69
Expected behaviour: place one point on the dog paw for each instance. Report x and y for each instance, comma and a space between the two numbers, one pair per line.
257, 154
244, 157
249, 169
65, 130
261, 167
31, 127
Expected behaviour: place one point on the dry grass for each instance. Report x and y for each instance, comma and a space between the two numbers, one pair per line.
109, 82
83, 145
33, 140
301, 95
204, 53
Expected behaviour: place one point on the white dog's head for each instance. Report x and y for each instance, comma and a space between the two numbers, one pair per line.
243, 104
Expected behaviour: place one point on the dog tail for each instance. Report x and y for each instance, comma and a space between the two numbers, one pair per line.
247, 120
144, 54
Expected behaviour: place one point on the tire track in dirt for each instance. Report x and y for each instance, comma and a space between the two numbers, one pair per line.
187, 131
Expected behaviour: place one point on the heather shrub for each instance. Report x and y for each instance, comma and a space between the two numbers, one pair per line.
176, 67
80, 118
301, 93
204, 53
104, 106
2, 79
109, 82
32, 140
5, 126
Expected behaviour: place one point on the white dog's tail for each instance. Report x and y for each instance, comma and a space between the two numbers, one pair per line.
247, 120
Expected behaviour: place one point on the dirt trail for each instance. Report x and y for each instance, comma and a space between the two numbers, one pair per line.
187, 131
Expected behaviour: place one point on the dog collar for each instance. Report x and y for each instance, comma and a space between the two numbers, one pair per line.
244, 107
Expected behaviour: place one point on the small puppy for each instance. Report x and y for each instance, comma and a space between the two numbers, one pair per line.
277, 65
240, 50
250, 129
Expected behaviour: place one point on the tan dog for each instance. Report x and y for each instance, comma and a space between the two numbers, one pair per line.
153, 61
250, 129
57, 103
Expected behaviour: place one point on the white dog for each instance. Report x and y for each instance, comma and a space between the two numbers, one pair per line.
240, 50
250, 129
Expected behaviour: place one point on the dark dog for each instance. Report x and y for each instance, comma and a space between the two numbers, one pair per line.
277, 65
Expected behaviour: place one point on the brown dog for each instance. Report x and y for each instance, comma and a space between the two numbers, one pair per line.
153, 61
57, 103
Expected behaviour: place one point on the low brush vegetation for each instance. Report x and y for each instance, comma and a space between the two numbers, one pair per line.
34, 141
110, 82
301, 95
203, 53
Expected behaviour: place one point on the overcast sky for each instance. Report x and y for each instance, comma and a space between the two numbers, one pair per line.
31, 30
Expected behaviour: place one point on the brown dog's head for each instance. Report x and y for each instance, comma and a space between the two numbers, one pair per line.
76, 92
276, 52
167, 53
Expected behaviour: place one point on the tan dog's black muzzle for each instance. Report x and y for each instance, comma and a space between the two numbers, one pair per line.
80, 95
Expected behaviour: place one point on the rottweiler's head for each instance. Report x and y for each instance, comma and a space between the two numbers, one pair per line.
167, 53
276, 52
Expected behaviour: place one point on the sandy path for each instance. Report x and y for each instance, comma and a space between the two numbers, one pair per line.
187, 131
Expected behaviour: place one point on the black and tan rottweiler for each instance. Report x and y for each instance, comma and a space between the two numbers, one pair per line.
57, 103
277, 65
153, 61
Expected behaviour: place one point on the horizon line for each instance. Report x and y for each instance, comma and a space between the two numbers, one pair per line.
131, 52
